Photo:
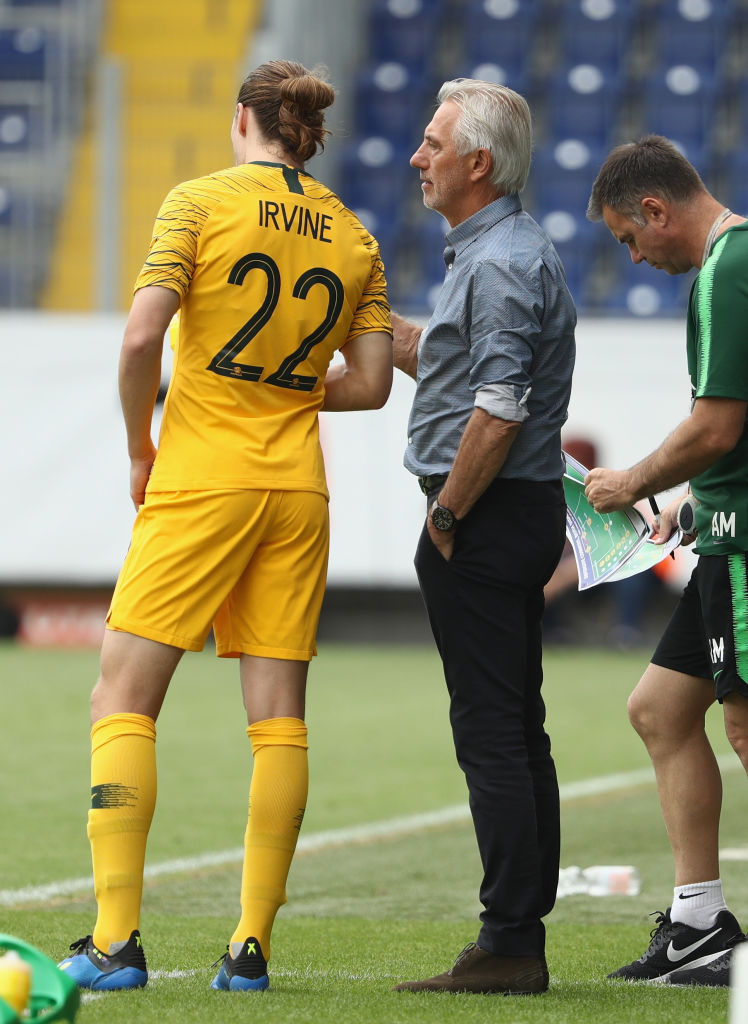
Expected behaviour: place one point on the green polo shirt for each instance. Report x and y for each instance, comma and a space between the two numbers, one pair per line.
717, 343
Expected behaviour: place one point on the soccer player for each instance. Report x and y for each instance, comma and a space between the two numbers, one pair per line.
271, 275
654, 202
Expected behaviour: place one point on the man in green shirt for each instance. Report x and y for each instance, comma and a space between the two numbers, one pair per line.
653, 201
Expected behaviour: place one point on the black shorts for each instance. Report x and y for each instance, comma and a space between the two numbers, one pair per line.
707, 636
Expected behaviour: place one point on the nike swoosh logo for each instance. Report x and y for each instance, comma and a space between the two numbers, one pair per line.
676, 955
690, 895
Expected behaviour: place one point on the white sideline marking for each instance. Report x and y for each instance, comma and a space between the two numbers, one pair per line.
734, 853
90, 997
390, 829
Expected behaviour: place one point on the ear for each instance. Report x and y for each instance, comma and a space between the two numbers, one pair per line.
482, 164
655, 209
240, 117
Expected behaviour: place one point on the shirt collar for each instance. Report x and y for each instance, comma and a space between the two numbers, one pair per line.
460, 237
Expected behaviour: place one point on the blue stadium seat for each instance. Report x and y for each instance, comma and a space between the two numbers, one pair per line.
387, 231
576, 241
429, 246
515, 77
562, 175
363, 194
639, 290
734, 96
376, 177
25, 54
583, 103
597, 31
692, 32
404, 30
20, 128
679, 103
501, 32
390, 98
734, 174
17, 208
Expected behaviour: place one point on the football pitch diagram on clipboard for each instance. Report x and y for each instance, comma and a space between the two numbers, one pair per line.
607, 546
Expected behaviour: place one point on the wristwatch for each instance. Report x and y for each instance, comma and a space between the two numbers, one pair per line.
686, 517
442, 518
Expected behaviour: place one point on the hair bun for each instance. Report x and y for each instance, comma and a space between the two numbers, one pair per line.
307, 92
288, 100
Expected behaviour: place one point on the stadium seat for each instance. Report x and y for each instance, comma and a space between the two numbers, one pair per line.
429, 247
596, 30
20, 128
515, 77
734, 176
583, 103
734, 98
638, 290
692, 32
679, 103
17, 209
501, 32
25, 54
389, 102
387, 230
561, 176
404, 30
375, 176
576, 241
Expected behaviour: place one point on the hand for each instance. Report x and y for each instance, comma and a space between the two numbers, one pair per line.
608, 490
444, 540
140, 471
405, 337
666, 523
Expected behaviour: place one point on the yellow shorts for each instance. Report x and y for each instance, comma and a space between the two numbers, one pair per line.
252, 564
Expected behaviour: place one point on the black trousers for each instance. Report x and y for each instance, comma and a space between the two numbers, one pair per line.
485, 606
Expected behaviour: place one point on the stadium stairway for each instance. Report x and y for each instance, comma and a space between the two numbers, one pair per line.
179, 79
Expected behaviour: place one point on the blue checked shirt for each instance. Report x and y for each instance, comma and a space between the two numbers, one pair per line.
501, 338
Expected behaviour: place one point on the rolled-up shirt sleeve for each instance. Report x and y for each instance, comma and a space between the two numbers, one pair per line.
500, 400
507, 306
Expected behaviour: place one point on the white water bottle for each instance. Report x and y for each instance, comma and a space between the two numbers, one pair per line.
612, 880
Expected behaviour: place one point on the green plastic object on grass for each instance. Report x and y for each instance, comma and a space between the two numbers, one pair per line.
7, 1014
54, 996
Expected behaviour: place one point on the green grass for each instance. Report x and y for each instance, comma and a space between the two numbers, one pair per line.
360, 916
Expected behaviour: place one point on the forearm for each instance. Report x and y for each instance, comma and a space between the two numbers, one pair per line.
139, 380
364, 378
140, 364
347, 392
713, 429
680, 456
482, 452
405, 344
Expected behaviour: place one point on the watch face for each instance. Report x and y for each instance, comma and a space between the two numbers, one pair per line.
442, 518
687, 515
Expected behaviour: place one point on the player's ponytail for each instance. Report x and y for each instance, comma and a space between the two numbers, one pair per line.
288, 102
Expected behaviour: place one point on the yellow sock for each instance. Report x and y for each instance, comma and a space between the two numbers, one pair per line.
123, 796
277, 800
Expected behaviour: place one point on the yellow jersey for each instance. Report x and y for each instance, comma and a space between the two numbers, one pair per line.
274, 275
